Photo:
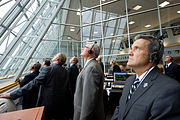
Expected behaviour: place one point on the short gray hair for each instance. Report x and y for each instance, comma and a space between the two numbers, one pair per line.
61, 58
154, 47
96, 50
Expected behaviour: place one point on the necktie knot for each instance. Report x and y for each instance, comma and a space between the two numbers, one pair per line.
133, 88
136, 82
166, 66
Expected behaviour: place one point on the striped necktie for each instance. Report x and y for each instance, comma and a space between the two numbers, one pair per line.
133, 88
166, 66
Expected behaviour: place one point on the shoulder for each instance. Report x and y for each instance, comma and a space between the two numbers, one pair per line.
174, 65
164, 82
93, 66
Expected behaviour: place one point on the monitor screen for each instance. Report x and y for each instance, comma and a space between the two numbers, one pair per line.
110, 71
120, 77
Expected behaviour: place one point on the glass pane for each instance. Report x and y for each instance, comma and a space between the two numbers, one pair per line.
143, 22
117, 7
140, 5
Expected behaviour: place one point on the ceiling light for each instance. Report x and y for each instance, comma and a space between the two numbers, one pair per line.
131, 22
178, 11
137, 7
72, 29
164, 4
147, 26
113, 41
103, 0
78, 13
95, 32
111, 33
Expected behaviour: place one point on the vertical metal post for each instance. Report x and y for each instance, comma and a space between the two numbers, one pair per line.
102, 33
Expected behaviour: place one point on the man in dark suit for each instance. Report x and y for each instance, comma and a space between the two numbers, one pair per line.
54, 80
73, 73
100, 62
29, 100
46, 63
172, 69
88, 98
148, 95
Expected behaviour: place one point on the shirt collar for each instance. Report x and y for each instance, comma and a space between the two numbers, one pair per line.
142, 77
87, 62
169, 64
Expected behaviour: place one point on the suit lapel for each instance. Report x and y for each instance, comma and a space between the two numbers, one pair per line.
123, 99
143, 87
80, 74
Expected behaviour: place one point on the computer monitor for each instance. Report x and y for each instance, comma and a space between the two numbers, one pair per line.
110, 71
120, 77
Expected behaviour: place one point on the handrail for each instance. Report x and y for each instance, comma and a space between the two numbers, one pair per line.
7, 85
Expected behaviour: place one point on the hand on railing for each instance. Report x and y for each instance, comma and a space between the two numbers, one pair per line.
5, 95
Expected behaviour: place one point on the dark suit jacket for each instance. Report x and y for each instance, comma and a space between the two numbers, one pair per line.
173, 71
88, 99
54, 80
102, 66
116, 68
156, 98
73, 74
29, 100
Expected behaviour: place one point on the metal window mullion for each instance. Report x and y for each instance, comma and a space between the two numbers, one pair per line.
9, 12
13, 26
19, 35
14, 16
39, 40
91, 27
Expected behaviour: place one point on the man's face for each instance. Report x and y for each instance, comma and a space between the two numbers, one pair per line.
85, 49
71, 60
55, 58
138, 55
167, 59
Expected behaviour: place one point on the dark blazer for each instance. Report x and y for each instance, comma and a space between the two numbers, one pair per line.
73, 74
102, 65
88, 99
156, 98
29, 100
116, 68
54, 80
173, 71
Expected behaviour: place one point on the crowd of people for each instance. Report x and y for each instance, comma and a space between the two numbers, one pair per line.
76, 93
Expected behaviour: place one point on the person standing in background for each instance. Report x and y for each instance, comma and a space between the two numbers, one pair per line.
115, 66
171, 69
100, 62
73, 74
29, 100
46, 63
88, 98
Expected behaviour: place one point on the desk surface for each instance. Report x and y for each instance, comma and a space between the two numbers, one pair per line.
27, 114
